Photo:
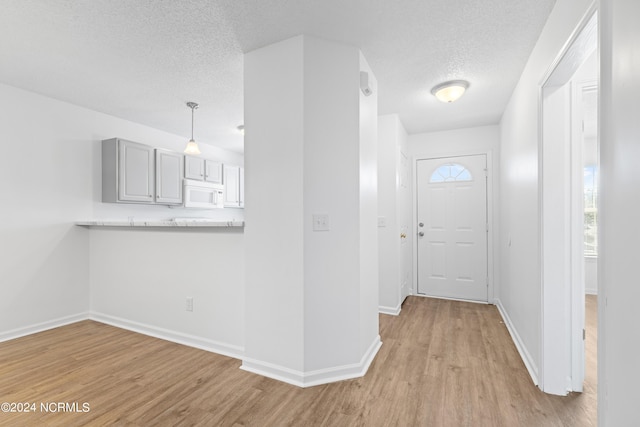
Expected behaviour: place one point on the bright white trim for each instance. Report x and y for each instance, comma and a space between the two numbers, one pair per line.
43, 326
393, 311
312, 378
562, 317
522, 349
229, 350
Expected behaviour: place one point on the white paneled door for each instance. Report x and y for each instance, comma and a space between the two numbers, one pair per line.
452, 227
404, 219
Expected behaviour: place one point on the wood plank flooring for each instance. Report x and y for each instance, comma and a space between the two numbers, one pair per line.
442, 363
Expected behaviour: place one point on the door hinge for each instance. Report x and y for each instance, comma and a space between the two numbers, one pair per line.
584, 335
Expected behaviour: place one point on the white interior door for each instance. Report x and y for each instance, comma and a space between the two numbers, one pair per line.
404, 218
452, 227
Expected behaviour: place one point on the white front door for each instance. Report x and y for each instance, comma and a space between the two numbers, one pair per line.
452, 227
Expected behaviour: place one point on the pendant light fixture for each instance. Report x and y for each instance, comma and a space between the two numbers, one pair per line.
450, 91
192, 147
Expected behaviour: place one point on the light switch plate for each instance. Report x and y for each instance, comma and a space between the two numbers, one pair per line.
320, 222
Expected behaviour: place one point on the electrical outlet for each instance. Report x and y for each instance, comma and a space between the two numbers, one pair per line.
189, 303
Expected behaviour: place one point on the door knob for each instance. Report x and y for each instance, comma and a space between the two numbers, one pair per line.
421, 233
403, 236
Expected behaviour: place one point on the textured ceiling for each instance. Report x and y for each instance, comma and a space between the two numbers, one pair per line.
141, 60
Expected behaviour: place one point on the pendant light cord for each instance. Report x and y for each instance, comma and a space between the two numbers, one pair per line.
193, 106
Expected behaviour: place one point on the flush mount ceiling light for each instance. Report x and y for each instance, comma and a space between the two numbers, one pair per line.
192, 147
450, 91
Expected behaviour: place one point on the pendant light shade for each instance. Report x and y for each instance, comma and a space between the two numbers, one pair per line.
192, 146
450, 91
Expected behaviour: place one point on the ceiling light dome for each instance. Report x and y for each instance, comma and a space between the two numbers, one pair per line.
450, 91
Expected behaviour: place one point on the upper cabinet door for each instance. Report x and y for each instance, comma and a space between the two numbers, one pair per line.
241, 189
168, 177
213, 171
135, 172
231, 186
194, 168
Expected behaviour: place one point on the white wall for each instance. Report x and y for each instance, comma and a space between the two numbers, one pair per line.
619, 293
368, 334
519, 246
55, 272
141, 278
458, 142
46, 182
332, 259
273, 192
476, 140
311, 296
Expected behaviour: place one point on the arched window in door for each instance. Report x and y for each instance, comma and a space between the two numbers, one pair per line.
451, 172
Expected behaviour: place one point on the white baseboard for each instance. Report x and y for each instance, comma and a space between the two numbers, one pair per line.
178, 337
393, 311
43, 326
312, 378
591, 291
522, 349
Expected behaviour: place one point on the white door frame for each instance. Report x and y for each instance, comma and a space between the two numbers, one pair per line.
578, 283
562, 286
491, 235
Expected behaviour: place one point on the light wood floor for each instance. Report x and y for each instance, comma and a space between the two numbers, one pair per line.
442, 363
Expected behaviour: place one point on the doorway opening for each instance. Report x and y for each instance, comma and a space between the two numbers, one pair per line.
568, 171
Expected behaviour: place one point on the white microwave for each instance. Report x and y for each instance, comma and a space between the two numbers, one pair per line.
203, 195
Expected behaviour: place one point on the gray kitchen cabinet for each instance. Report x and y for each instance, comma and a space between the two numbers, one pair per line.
233, 186
241, 189
169, 172
193, 168
202, 169
128, 171
213, 171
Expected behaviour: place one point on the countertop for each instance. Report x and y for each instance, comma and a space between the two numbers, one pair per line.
171, 222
